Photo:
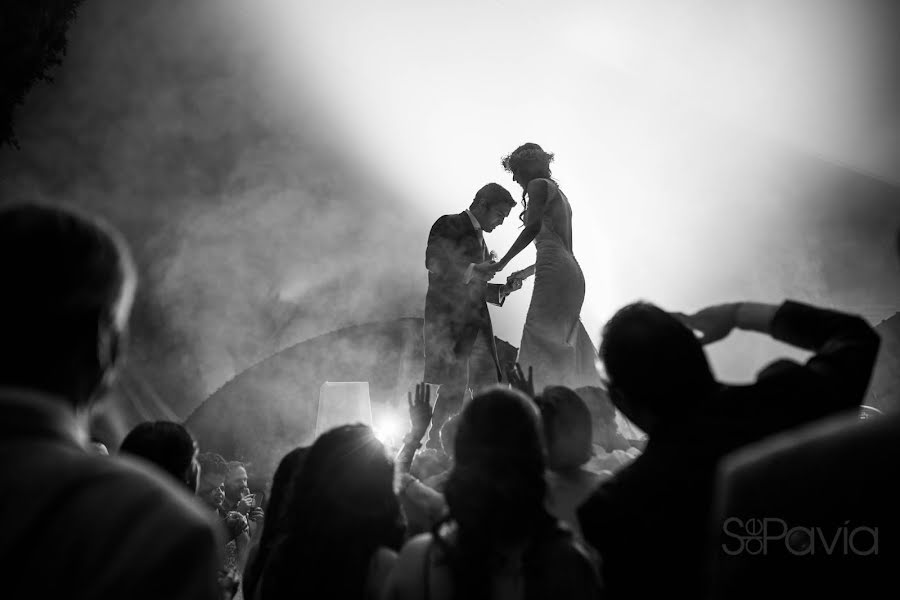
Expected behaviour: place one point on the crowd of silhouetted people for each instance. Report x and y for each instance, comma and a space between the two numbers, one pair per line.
776, 487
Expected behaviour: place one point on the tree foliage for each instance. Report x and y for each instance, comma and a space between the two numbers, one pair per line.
32, 43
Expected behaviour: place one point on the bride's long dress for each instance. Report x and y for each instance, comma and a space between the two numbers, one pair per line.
554, 342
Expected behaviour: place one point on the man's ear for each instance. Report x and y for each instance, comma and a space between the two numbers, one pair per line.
192, 476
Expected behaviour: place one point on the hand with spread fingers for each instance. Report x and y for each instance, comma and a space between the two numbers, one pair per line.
419, 411
517, 379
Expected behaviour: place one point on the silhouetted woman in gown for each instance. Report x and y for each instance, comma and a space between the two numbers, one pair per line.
554, 342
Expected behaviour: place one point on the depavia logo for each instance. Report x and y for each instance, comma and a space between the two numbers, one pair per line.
757, 536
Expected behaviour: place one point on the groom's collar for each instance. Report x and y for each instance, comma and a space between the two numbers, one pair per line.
472, 218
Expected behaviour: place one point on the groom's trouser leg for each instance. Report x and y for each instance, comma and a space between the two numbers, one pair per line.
453, 387
448, 404
482, 369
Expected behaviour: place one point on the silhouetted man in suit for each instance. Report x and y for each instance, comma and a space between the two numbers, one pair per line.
459, 268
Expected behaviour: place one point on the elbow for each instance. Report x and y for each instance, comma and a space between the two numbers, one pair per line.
532, 229
870, 334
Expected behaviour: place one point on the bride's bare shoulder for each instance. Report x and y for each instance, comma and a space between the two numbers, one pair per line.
542, 185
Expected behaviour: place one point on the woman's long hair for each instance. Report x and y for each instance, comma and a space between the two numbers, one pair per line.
496, 490
533, 157
288, 471
340, 510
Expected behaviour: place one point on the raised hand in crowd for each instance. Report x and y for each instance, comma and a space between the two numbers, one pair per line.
419, 419
518, 381
245, 504
419, 412
421, 502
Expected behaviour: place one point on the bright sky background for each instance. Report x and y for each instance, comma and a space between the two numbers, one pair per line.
662, 114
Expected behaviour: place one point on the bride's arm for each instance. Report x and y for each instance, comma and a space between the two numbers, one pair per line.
537, 199
524, 273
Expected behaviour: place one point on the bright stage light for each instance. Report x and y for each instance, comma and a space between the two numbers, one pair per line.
390, 428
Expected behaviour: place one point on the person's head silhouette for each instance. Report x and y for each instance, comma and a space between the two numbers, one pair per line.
656, 366
68, 286
169, 446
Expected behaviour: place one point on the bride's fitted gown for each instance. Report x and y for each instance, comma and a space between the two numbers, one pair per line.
554, 342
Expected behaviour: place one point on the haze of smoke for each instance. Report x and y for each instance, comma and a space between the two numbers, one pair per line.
250, 233
253, 231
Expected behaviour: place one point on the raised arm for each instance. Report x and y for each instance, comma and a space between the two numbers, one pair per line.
845, 348
430, 503
537, 200
834, 378
419, 419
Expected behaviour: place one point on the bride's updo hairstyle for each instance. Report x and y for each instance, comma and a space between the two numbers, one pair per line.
532, 160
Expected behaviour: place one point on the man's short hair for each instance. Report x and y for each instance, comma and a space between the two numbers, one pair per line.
212, 464
494, 194
61, 270
166, 444
233, 465
654, 359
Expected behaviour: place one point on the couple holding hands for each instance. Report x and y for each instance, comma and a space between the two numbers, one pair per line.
554, 342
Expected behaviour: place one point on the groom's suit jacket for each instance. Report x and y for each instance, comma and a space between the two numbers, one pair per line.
455, 311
